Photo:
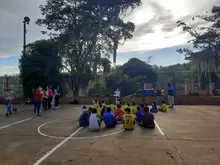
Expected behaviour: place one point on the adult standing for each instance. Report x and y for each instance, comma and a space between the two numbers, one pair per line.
57, 97
50, 98
159, 97
46, 99
9, 97
171, 92
38, 99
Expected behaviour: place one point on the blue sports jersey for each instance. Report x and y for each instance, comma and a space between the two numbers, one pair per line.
139, 116
108, 119
171, 91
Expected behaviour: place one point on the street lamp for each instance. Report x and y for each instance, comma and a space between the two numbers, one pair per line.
26, 21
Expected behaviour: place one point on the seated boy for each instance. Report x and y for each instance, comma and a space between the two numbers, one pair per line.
84, 118
82, 110
108, 118
147, 119
118, 113
154, 108
94, 121
138, 115
128, 119
163, 107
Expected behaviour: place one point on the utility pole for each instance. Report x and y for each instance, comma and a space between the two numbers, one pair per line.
26, 21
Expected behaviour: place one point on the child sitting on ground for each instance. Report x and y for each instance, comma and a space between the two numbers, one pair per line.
82, 110
154, 108
138, 115
129, 120
118, 113
94, 121
108, 118
163, 107
147, 119
84, 118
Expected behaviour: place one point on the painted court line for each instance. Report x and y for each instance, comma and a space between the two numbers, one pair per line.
159, 129
56, 147
18, 122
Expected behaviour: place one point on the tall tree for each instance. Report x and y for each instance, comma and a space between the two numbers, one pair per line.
39, 66
81, 26
137, 68
206, 41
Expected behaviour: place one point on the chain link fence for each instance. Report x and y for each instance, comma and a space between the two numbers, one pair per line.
12, 82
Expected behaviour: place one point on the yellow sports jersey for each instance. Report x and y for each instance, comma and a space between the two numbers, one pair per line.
96, 106
129, 121
134, 109
123, 107
164, 107
99, 110
113, 107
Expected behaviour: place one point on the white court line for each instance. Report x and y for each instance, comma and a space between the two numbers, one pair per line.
56, 147
18, 122
159, 129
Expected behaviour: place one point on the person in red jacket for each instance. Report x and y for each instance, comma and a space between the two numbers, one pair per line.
39, 98
50, 93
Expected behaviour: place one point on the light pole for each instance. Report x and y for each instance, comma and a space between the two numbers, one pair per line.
26, 21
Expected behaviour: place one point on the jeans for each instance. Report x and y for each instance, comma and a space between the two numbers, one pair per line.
38, 105
171, 100
9, 106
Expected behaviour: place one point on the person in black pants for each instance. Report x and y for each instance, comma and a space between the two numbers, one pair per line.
57, 97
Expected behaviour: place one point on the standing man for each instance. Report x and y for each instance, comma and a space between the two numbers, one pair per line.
171, 92
9, 97
57, 97
50, 98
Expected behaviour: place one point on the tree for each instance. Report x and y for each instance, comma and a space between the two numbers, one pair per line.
81, 27
105, 65
206, 41
137, 68
39, 66
118, 80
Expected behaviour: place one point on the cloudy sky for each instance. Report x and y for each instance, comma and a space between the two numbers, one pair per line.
156, 33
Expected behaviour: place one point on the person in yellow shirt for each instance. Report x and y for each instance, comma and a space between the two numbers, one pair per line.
163, 107
113, 107
96, 105
134, 108
128, 120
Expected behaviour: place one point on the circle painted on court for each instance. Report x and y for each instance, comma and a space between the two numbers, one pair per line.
62, 128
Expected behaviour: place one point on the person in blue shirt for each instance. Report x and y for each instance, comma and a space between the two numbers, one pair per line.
84, 119
171, 92
108, 118
138, 115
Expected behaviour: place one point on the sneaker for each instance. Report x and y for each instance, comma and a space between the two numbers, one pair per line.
39, 115
6, 114
10, 113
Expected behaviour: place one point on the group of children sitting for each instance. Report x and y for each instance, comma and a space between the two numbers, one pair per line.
125, 113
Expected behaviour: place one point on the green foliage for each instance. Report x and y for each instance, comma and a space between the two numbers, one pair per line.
39, 66
205, 58
84, 30
117, 79
137, 68
98, 91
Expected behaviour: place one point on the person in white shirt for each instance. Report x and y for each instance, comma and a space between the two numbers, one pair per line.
94, 121
9, 97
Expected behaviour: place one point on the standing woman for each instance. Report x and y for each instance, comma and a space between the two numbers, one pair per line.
45, 101
171, 92
57, 97
9, 97
50, 98
38, 99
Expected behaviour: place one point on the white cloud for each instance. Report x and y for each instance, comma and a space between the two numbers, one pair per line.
10, 70
156, 23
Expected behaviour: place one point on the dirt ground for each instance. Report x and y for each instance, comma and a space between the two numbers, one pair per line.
185, 135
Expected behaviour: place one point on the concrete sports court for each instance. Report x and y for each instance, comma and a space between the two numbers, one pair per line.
187, 135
